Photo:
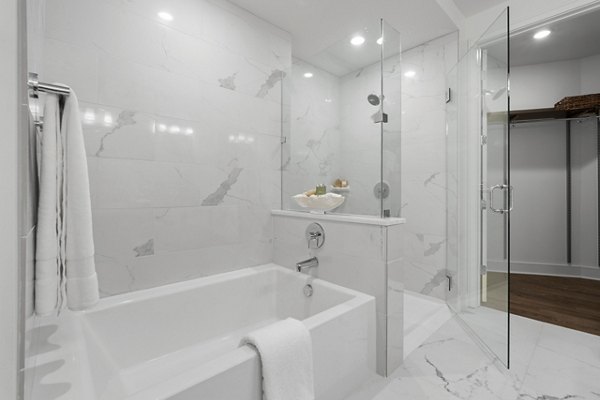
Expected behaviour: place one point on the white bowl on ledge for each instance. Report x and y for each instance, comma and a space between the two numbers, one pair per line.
319, 204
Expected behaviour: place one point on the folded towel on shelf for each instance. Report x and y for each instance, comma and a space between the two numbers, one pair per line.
285, 350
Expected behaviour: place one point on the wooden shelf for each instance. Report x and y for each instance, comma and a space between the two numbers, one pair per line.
541, 114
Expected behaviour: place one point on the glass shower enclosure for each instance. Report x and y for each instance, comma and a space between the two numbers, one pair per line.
344, 124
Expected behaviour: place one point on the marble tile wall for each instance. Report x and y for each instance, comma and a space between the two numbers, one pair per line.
356, 256
182, 126
424, 183
361, 144
314, 145
333, 135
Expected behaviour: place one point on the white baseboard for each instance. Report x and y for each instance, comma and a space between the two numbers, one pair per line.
572, 271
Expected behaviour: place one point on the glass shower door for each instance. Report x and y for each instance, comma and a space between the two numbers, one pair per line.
477, 134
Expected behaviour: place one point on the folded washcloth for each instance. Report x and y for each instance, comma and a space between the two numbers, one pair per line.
285, 350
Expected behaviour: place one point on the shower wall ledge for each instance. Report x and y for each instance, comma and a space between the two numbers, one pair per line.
356, 219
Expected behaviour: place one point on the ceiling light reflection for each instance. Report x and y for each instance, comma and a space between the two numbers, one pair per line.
165, 16
542, 34
357, 40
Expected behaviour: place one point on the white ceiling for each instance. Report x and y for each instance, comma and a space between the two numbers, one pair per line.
316, 25
571, 38
472, 7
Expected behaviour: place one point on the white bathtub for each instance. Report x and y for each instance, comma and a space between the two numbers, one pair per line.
180, 341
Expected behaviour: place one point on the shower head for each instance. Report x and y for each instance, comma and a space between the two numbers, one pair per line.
373, 99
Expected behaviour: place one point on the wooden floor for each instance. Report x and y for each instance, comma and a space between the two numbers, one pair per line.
570, 302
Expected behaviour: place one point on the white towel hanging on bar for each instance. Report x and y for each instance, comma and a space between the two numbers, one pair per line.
65, 269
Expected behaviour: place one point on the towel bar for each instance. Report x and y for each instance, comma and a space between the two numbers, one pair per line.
36, 87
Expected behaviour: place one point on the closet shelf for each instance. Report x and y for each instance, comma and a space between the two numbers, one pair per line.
541, 114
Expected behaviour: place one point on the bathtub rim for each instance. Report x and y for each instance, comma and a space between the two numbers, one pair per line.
190, 284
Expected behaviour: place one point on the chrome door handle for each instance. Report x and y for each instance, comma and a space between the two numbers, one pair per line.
510, 195
494, 209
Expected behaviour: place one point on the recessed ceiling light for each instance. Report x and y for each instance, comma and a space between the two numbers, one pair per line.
410, 74
165, 16
380, 40
357, 40
308, 75
542, 34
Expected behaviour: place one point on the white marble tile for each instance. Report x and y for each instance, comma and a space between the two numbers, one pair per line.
127, 85
424, 163
436, 368
123, 234
381, 350
114, 277
72, 65
181, 117
582, 346
552, 375
524, 338
184, 185
395, 341
120, 183
491, 326
395, 301
187, 228
314, 142
450, 365
111, 132
189, 15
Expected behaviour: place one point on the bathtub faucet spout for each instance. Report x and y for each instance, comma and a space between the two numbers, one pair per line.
310, 263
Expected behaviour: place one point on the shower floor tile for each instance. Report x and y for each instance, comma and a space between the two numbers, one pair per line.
549, 362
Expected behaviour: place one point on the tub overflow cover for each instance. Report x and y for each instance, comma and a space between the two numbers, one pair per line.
308, 290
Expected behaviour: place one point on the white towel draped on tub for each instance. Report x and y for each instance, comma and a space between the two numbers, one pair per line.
285, 350
64, 243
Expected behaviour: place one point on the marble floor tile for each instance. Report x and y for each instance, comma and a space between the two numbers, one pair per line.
582, 346
548, 363
555, 376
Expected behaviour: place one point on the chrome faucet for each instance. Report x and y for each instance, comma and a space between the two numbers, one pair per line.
310, 263
313, 239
